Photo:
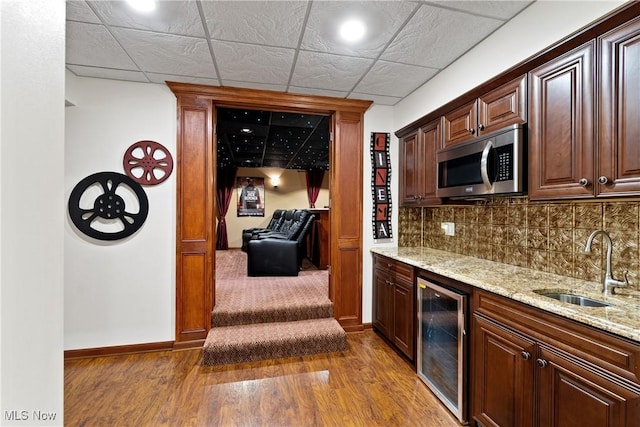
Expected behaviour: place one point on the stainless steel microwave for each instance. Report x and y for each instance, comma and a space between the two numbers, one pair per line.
491, 164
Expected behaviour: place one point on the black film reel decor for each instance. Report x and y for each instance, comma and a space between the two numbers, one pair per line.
108, 207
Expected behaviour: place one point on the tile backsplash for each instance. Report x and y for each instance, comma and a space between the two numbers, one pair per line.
542, 236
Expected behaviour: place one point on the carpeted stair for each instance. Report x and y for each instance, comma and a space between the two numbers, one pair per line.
260, 341
259, 318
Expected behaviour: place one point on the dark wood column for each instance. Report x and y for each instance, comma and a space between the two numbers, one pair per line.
346, 219
195, 234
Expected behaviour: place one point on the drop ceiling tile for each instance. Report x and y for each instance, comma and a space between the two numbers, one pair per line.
108, 73
321, 92
174, 17
273, 23
93, 45
327, 71
162, 78
80, 11
377, 99
250, 85
156, 52
500, 9
252, 63
382, 79
435, 37
381, 18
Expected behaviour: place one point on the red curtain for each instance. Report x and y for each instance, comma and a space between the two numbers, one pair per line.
226, 184
314, 182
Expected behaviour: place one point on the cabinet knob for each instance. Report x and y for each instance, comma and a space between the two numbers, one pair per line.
481, 127
603, 180
541, 362
525, 355
584, 182
472, 131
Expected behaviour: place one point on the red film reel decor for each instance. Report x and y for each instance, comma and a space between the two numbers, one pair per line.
147, 162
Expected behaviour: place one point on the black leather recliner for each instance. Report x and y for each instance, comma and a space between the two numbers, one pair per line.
280, 253
274, 224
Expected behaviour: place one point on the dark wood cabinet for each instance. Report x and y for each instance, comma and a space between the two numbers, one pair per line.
504, 106
531, 368
619, 111
561, 126
418, 166
570, 395
503, 387
394, 303
582, 145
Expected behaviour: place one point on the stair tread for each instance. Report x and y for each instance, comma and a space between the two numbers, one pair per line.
275, 313
242, 343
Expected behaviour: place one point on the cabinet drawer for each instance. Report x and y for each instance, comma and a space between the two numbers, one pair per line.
400, 269
599, 348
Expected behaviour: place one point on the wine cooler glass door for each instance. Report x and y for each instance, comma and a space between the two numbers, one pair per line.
441, 344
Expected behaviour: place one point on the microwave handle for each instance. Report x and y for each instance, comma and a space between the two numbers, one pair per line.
484, 167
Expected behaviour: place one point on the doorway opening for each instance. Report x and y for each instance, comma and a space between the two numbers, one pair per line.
196, 205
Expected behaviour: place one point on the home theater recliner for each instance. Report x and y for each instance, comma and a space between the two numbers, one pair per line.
278, 251
274, 225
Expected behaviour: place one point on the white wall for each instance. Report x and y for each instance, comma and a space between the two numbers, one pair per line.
120, 292
31, 218
540, 25
376, 119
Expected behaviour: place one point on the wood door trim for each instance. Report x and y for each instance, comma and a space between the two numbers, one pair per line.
347, 128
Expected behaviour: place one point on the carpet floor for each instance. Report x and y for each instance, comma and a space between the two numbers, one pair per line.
258, 318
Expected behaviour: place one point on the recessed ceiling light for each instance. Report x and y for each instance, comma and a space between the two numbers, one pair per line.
352, 30
246, 130
142, 5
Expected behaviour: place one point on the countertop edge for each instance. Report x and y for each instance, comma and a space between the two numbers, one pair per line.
622, 318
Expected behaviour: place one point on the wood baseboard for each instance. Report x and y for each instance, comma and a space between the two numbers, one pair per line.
188, 345
119, 350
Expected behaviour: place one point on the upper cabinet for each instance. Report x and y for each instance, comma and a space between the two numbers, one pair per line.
418, 165
561, 127
619, 111
584, 127
497, 109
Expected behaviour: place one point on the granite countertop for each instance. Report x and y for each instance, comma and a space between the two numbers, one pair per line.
621, 318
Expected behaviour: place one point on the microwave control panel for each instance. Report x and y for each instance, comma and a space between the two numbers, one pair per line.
504, 164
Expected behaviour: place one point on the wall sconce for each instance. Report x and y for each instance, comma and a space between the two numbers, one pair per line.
275, 181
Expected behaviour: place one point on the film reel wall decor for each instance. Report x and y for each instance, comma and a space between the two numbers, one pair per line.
108, 217
147, 162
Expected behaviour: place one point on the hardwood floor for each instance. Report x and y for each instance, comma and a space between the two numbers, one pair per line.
367, 385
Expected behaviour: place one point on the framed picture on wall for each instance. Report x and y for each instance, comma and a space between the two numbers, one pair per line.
250, 192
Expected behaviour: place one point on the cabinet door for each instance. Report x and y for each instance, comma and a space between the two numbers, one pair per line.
504, 106
561, 126
430, 142
572, 395
460, 124
404, 313
383, 302
619, 111
503, 375
411, 169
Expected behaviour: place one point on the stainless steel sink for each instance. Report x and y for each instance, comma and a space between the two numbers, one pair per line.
574, 299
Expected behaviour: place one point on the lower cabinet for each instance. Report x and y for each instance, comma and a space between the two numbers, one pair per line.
394, 309
532, 369
503, 387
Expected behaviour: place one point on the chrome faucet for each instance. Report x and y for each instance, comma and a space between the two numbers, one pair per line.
610, 284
